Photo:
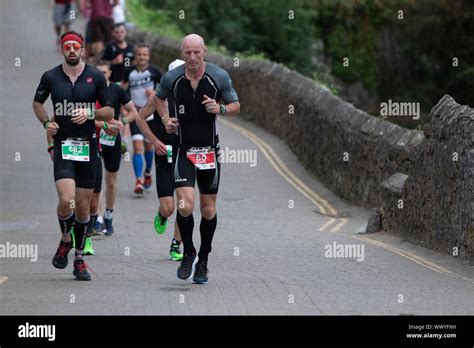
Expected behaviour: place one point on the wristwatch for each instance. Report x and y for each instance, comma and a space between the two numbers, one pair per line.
222, 109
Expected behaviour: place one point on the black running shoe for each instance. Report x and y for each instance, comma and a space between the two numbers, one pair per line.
200, 274
186, 269
60, 258
80, 270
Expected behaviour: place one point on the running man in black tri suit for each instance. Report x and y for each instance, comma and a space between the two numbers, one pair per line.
74, 88
163, 166
201, 91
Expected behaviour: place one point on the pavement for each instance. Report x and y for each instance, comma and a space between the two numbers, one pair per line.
271, 253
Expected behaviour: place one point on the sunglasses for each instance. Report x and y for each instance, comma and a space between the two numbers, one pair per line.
75, 46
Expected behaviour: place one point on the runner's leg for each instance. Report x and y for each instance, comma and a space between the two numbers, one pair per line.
65, 210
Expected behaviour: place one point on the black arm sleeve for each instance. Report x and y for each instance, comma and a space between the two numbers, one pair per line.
43, 90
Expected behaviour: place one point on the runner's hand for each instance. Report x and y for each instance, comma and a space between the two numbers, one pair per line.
160, 148
211, 105
172, 125
113, 127
79, 116
52, 128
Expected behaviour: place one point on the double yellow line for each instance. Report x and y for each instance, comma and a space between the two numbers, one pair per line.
323, 206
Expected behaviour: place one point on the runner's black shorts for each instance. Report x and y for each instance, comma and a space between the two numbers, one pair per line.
112, 155
98, 178
164, 176
185, 174
137, 134
83, 173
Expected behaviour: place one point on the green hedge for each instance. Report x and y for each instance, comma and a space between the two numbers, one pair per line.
400, 59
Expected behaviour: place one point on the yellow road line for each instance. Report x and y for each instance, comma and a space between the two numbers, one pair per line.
415, 258
339, 225
331, 209
252, 138
3, 279
286, 173
329, 222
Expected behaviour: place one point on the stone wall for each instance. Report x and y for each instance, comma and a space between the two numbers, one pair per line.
437, 199
355, 154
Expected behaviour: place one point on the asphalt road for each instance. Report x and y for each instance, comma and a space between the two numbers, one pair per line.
276, 222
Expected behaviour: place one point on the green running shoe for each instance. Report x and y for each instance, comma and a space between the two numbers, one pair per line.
175, 253
161, 223
73, 238
123, 147
88, 247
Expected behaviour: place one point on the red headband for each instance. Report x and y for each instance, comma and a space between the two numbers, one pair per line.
71, 37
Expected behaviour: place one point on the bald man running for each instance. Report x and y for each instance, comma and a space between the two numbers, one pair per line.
201, 91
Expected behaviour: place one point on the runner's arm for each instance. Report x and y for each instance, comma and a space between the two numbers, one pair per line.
160, 148
40, 112
105, 113
232, 109
229, 95
132, 113
162, 109
42, 93
143, 114
148, 109
161, 98
49, 137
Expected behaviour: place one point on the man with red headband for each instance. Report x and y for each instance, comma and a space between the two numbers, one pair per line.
74, 88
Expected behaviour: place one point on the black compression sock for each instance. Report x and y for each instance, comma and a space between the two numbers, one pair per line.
66, 222
92, 221
186, 226
207, 229
79, 233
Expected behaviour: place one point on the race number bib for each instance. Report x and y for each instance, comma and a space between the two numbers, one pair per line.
105, 139
202, 157
75, 150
